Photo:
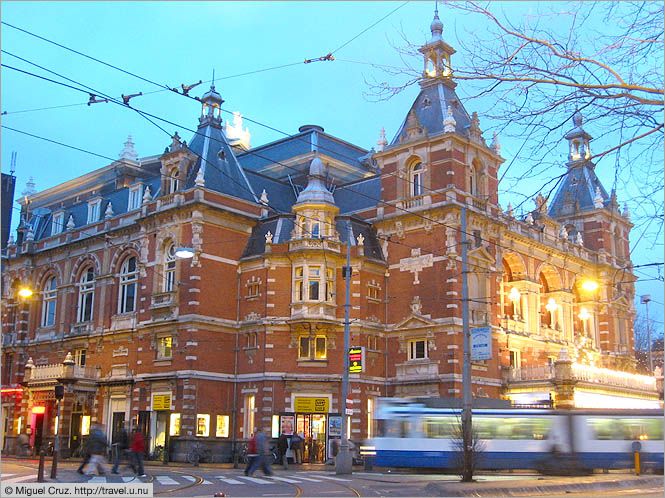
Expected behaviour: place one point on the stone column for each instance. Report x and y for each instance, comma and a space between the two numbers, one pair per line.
564, 381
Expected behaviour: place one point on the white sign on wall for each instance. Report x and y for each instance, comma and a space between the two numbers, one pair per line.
481, 343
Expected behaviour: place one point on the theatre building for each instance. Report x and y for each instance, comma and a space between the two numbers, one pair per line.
248, 331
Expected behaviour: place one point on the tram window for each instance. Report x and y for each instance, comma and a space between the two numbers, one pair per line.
442, 427
511, 428
626, 429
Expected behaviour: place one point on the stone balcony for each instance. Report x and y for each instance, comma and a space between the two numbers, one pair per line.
45, 373
318, 244
83, 328
162, 300
419, 201
417, 370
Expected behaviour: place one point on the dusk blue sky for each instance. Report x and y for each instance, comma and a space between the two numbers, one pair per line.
173, 43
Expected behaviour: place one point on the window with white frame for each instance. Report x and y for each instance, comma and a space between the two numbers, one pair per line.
252, 340
58, 223
417, 349
248, 422
298, 284
314, 282
515, 359
309, 282
128, 283
165, 348
93, 210
312, 347
417, 179
316, 228
49, 299
135, 197
86, 295
370, 418
169, 268
173, 180
373, 291
79, 357
330, 284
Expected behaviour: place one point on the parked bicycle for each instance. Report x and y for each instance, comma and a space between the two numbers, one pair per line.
242, 453
157, 453
198, 454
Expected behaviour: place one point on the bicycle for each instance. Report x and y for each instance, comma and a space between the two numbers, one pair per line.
197, 454
157, 453
242, 453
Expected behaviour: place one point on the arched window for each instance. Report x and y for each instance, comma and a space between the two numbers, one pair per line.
49, 299
86, 295
128, 281
169, 268
417, 179
316, 228
475, 183
173, 180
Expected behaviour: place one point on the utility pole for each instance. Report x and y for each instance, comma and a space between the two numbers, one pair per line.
467, 472
645, 300
343, 463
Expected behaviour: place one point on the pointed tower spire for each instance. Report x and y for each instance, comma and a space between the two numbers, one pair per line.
381, 142
579, 142
316, 190
211, 103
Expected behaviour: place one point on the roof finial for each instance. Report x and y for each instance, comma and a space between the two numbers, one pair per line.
213, 78
437, 26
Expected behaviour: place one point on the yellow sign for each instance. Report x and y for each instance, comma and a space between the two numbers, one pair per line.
161, 402
310, 405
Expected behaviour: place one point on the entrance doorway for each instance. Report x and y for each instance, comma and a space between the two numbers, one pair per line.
75, 432
313, 426
37, 432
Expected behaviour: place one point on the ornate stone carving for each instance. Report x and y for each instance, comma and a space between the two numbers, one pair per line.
416, 263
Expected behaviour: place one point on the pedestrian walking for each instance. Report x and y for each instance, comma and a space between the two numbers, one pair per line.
251, 453
137, 448
97, 445
283, 447
262, 451
121, 445
85, 453
296, 447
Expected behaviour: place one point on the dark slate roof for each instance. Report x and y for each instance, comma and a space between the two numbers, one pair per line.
282, 226
41, 219
577, 191
357, 196
431, 107
221, 170
280, 194
305, 142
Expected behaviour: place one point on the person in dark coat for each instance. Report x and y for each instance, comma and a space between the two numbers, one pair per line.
283, 447
262, 450
296, 448
85, 453
97, 445
121, 445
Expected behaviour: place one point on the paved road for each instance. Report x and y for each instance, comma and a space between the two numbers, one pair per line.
189, 481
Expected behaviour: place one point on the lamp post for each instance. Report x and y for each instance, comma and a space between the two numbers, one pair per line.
343, 463
59, 394
645, 300
467, 471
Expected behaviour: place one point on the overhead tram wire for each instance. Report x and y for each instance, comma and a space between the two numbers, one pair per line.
146, 116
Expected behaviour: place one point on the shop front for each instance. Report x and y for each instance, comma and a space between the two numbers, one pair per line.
309, 420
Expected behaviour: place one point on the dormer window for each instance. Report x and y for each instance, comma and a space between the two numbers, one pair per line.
58, 223
173, 180
316, 228
135, 197
417, 180
94, 210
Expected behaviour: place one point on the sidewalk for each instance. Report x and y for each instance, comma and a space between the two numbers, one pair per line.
540, 485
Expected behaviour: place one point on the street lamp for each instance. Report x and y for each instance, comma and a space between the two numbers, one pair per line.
25, 292
590, 285
184, 253
645, 300
59, 394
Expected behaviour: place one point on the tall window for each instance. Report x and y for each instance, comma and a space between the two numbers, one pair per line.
49, 301
173, 180
417, 180
86, 295
58, 223
298, 284
165, 348
93, 210
370, 417
418, 349
248, 429
313, 348
128, 281
169, 268
79, 357
316, 228
134, 198
330, 284
515, 360
314, 281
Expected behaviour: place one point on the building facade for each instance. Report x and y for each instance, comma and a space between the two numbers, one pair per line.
249, 332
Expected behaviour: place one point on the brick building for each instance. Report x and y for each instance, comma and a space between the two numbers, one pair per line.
249, 331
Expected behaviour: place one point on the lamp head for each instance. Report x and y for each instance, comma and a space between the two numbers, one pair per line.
25, 292
184, 253
590, 285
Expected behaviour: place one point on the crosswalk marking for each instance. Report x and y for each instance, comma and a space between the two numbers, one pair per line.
284, 479
127, 478
254, 480
307, 479
165, 480
98, 479
194, 479
228, 480
334, 478
18, 479
6, 476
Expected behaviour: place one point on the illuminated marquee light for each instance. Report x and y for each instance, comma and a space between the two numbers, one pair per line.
38, 410
586, 399
12, 390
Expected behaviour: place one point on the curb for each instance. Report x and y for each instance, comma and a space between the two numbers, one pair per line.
436, 489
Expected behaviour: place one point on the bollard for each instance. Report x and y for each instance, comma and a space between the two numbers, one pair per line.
637, 463
40, 472
54, 464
